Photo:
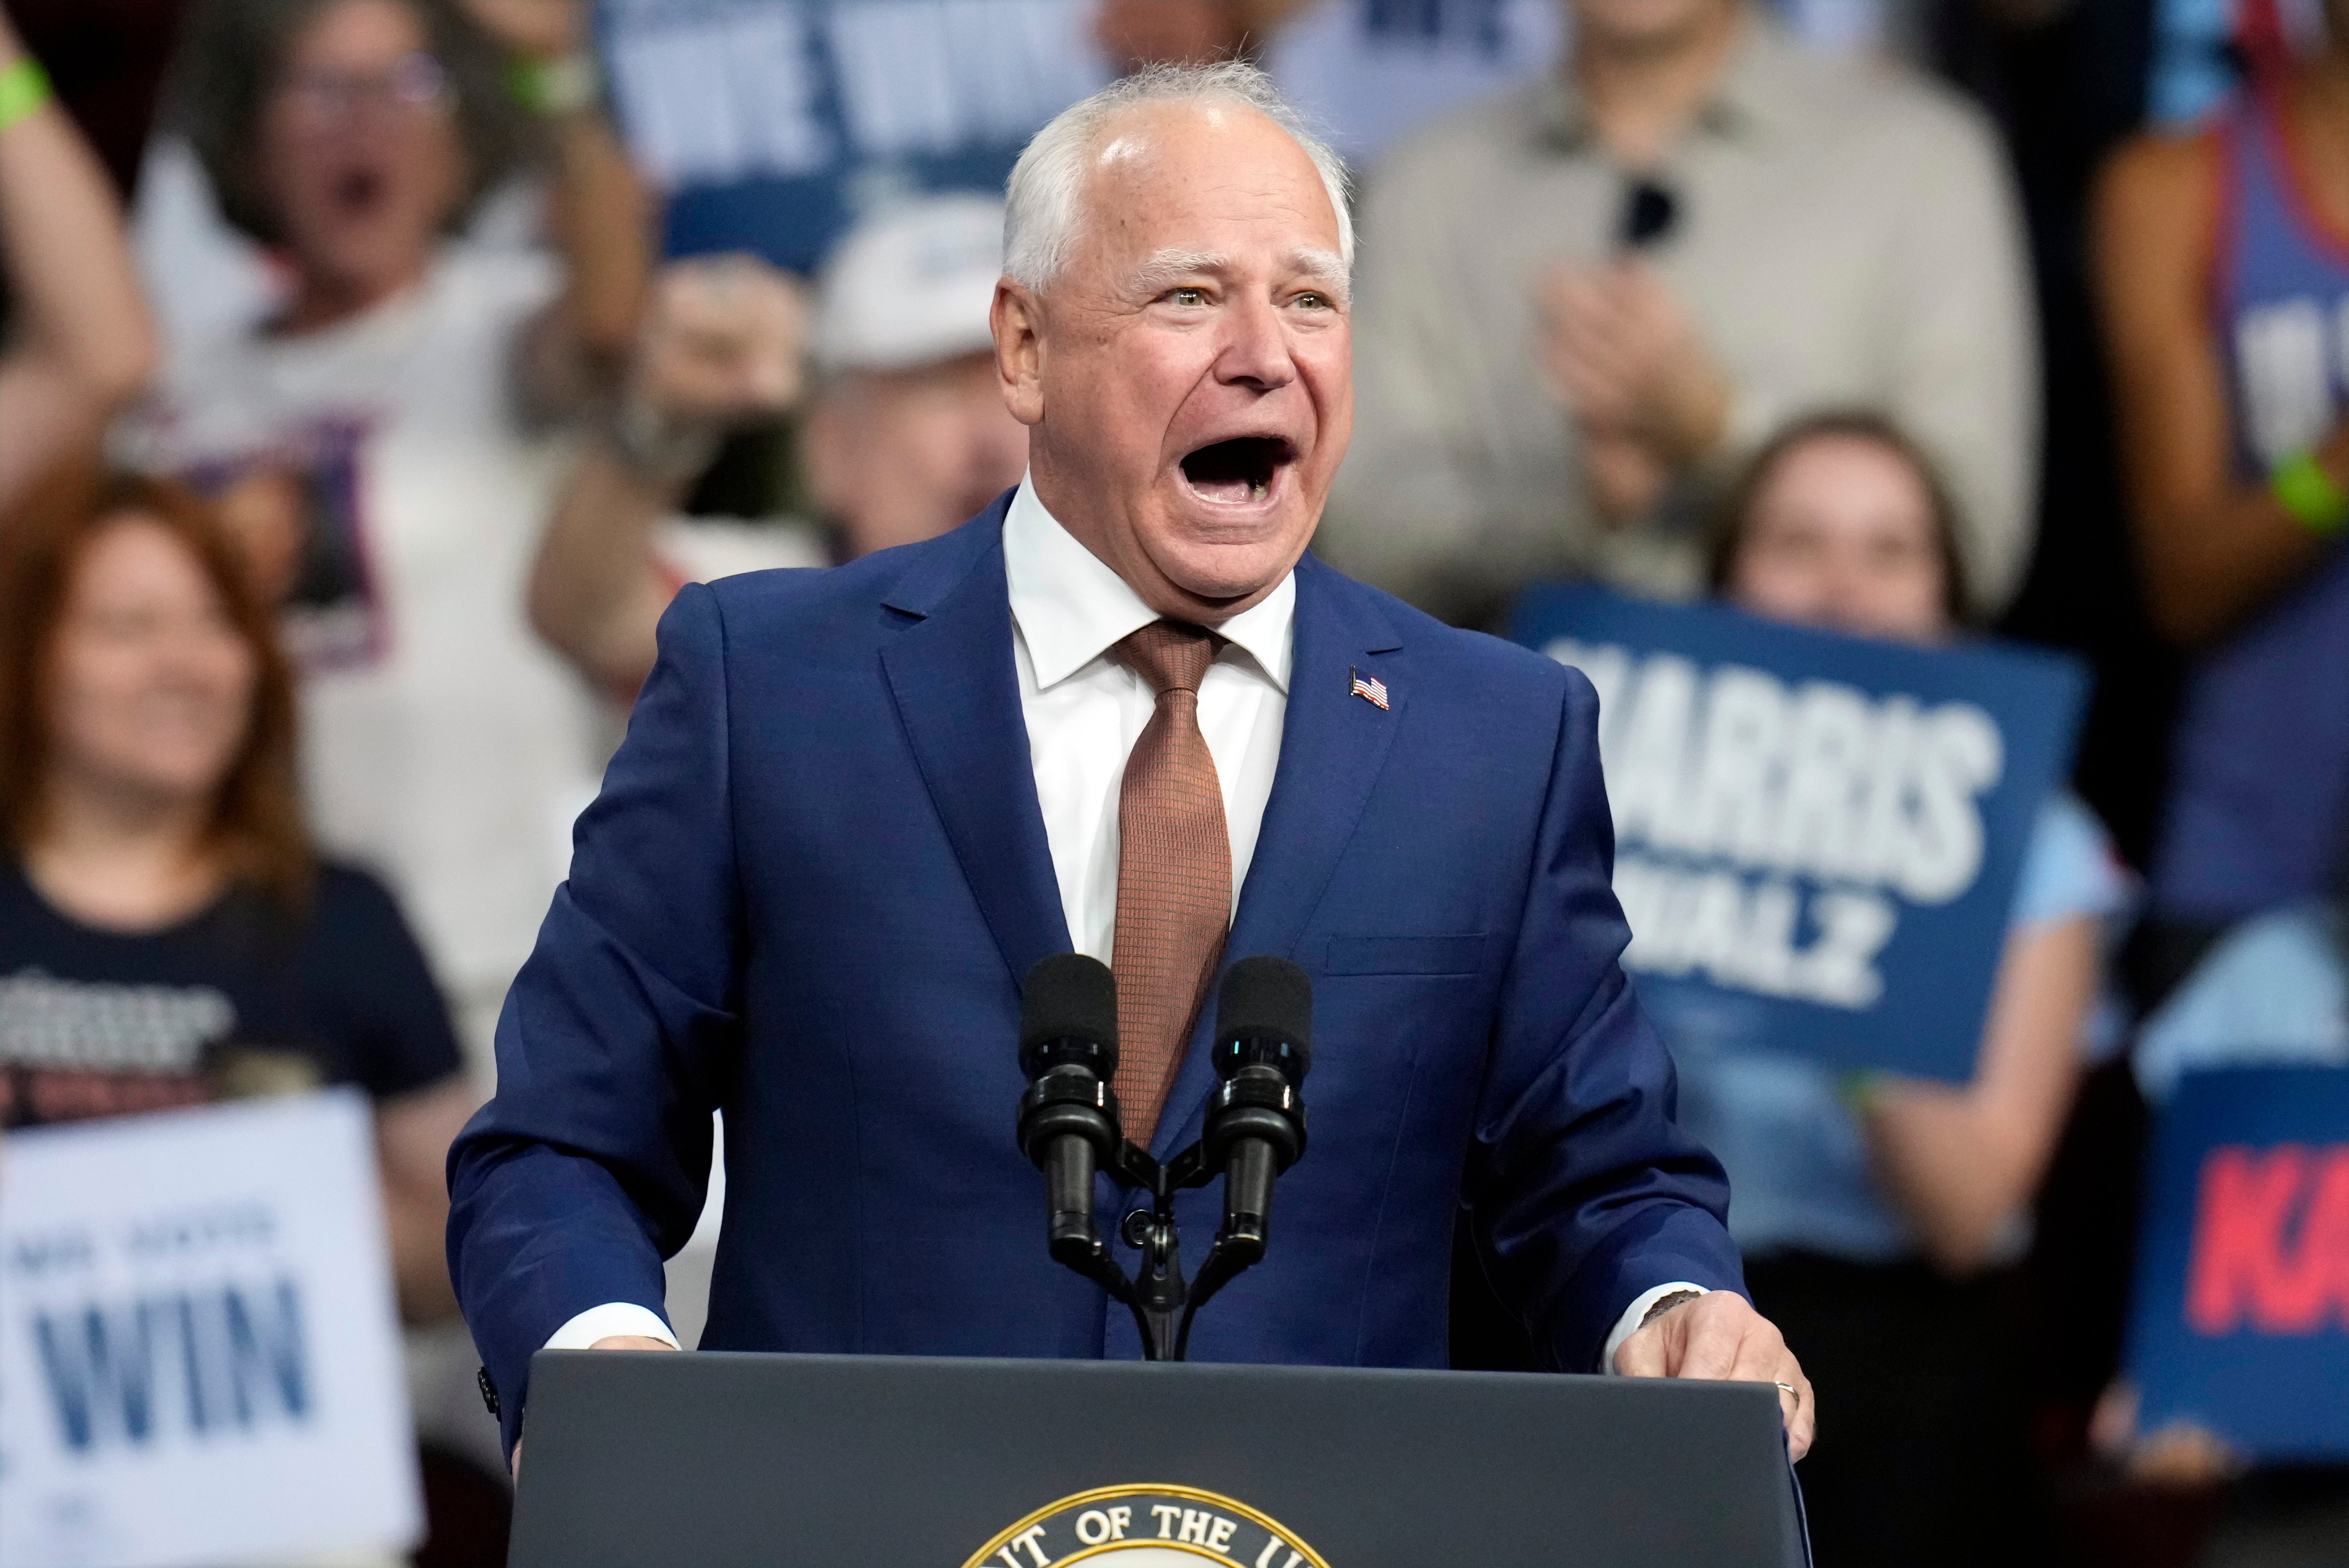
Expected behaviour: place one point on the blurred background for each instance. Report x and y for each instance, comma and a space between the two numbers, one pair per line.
374, 371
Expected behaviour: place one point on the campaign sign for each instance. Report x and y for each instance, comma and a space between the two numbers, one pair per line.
772, 125
2241, 1319
198, 1349
1817, 837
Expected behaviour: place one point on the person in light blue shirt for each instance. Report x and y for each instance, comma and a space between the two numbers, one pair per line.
1809, 1148
1875, 1211
2273, 993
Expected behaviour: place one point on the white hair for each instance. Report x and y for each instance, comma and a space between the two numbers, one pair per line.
1047, 186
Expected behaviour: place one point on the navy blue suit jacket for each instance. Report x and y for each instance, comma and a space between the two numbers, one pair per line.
807, 895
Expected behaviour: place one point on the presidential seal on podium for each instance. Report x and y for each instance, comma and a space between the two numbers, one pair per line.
1146, 1527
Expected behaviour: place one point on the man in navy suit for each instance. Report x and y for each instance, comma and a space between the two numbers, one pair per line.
1120, 712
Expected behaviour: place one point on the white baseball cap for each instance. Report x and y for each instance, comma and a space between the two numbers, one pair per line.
910, 284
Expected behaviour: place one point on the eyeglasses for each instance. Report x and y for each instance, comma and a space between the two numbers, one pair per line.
328, 100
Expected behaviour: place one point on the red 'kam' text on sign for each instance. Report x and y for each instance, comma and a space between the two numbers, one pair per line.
2271, 1241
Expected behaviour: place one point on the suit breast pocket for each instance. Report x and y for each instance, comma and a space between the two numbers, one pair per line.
1429, 955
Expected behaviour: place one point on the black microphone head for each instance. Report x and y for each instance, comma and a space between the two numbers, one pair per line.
1651, 212
1068, 1010
1264, 1013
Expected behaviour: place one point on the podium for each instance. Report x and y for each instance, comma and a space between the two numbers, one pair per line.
718, 1458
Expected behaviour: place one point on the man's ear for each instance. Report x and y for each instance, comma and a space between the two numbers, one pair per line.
1017, 319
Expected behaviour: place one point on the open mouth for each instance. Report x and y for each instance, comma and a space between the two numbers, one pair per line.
1243, 470
356, 192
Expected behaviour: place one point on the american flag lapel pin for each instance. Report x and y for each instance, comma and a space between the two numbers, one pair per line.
1369, 688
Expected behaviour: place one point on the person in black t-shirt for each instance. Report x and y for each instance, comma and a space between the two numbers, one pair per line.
167, 936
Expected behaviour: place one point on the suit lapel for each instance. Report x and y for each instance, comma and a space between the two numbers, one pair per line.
957, 690
1332, 747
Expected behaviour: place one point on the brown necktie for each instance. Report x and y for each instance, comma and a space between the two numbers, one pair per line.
1173, 870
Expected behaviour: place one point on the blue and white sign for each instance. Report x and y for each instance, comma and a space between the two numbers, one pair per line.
199, 1347
2240, 1324
774, 124
1817, 837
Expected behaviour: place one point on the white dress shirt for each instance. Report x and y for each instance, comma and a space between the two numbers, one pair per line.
1084, 711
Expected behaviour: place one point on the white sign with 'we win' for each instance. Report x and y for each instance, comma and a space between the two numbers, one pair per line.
199, 1346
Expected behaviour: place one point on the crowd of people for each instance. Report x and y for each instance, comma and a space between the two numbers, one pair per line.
343, 483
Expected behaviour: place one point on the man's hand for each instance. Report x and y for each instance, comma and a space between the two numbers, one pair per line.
721, 344
1719, 1335
609, 1342
1626, 360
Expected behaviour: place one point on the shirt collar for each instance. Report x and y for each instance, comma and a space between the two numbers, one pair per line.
1754, 94
1071, 608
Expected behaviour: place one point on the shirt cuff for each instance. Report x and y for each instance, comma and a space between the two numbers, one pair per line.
627, 1317
1625, 1326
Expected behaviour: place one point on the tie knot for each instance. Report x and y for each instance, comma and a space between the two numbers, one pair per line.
1171, 656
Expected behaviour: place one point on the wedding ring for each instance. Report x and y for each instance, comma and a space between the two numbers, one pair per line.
1790, 1388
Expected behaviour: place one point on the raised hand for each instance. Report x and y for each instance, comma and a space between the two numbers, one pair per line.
536, 29
721, 344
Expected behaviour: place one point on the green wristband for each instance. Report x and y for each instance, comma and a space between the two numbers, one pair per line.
23, 88
2314, 497
565, 85
1859, 1090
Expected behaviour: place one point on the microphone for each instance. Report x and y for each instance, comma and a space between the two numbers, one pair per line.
1651, 212
1068, 1118
1254, 1126
1253, 1132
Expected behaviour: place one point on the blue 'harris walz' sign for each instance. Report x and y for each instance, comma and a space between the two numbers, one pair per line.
1817, 837
2240, 1323
774, 125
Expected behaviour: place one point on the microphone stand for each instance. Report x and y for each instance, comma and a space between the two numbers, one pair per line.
1163, 1302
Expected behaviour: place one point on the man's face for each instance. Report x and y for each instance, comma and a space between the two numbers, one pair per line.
899, 456
1186, 377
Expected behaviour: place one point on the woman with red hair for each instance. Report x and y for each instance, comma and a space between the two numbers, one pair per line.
167, 936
